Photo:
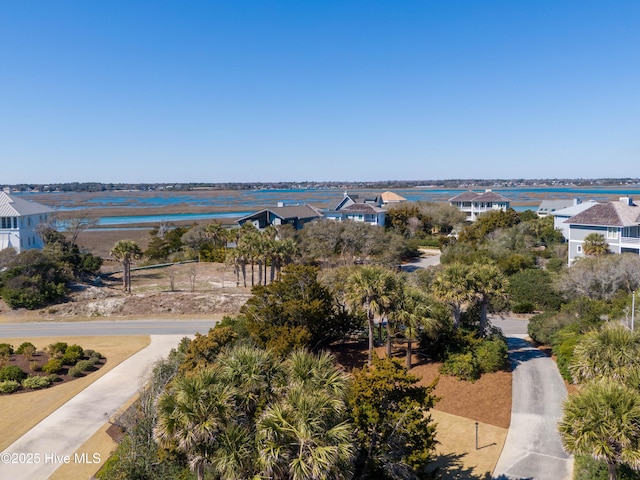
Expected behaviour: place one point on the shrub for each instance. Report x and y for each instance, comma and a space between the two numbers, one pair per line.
20, 350
97, 355
27, 349
35, 366
57, 349
463, 366
36, 382
72, 354
12, 372
89, 352
492, 355
543, 327
54, 365
523, 307
75, 371
6, 349
85, 365
9, 386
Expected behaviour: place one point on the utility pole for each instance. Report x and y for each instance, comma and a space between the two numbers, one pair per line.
633, 310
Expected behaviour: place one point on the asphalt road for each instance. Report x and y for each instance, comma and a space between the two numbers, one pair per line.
532, 449
106, 328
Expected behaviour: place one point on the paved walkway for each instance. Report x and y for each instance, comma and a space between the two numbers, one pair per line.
40, 451
533, 449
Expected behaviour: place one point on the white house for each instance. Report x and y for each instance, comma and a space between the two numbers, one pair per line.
354, 208
618, 222
19, 220
474, 203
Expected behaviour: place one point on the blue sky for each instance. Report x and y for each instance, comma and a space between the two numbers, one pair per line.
209, 91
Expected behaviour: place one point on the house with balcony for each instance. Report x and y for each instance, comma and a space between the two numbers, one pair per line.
358, 209
19, 221
618, 222
474, 204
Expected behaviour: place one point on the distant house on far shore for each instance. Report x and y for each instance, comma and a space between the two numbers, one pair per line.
294, 215
474, 203
19, 220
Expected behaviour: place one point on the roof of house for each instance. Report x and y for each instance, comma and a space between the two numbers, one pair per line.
362, 208
574, 209
549, 206
486, 196
13, 206
611, 214
392, 197
375, 200
289, 212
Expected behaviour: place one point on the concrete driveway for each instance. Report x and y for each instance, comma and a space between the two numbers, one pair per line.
44, 448
533, 449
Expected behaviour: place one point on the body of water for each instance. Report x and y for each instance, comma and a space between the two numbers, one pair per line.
234, 204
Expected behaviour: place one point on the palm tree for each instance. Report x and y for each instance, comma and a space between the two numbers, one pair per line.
612, 351
192, 414
603, 422
595, 245
366, 289
414, 314
126, 251
453, 286
305, 433
489, 283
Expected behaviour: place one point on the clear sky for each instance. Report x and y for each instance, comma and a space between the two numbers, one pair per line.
210, 91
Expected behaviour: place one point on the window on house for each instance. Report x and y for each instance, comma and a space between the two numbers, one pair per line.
15, 222
612, 232
579, 248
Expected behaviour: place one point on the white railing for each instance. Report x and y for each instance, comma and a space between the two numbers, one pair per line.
630, 240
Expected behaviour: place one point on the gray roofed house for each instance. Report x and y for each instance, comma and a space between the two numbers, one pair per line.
547, 207
358, 209
295, 215
618, 222
559, 216
474, 203
19, 220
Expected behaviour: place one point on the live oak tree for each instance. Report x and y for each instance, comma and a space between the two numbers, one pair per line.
394, 431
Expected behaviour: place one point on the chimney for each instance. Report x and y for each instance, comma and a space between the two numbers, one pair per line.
626, 201
280, 204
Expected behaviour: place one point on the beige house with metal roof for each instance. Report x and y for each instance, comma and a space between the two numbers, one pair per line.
19, 220
474, 203
618, 222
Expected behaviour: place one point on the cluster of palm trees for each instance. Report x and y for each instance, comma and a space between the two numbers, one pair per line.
602, 420
251, 415
387, 295
262, 250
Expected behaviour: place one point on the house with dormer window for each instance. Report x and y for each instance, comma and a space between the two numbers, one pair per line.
618, 222
19, 221
358, 209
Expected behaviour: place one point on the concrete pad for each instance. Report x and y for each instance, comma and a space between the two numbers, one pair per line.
52, 443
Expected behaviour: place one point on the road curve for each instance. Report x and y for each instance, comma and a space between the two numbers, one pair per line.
533, 450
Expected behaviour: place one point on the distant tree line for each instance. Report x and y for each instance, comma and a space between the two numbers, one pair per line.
444, 183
